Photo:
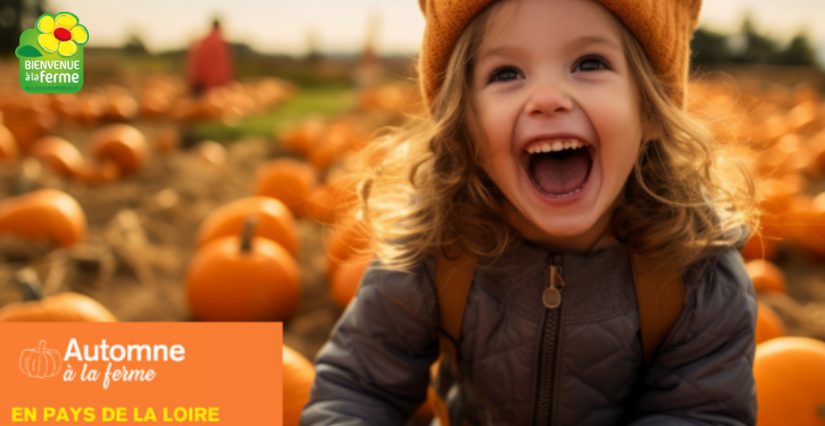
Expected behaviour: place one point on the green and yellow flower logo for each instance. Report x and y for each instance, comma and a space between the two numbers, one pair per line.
61, 33
51, 54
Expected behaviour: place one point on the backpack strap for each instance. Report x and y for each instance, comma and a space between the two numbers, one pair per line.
660, 293
452, 285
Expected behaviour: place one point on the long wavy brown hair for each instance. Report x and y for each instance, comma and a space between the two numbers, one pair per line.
423, 191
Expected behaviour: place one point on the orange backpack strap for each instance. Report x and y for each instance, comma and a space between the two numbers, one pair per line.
661, 299
452, 285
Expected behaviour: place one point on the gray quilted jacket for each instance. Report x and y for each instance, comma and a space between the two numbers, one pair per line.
524, 364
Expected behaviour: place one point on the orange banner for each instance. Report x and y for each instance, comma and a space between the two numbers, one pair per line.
141, 373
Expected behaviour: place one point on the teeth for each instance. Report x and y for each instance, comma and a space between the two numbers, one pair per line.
558, 145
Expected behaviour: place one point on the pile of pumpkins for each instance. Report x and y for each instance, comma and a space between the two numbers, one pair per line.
228, 103
784, 130
54, 217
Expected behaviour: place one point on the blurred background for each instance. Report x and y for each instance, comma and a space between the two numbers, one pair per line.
164, 161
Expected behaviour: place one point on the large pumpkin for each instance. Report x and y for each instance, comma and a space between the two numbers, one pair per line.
46, 214
790, 382
299, 374
275, 222
242, 279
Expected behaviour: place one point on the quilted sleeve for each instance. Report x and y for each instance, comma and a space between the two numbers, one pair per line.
703, 375
375, 368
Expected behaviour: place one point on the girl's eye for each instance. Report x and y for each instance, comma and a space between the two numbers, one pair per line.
503, 74
591, 64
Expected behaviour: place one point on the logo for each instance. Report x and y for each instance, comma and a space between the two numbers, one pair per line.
51, 54
40, 362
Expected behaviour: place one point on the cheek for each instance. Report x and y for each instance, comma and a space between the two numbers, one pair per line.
618, 123
496, 127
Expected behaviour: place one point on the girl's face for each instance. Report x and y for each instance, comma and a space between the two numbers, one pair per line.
559, 111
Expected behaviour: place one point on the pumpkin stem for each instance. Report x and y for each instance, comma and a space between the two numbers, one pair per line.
30, 283
249, 226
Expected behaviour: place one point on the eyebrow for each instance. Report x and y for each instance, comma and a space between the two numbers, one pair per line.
584, 41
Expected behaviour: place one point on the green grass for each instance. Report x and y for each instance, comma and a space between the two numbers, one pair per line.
308, 101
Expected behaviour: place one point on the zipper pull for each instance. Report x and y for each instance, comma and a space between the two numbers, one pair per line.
552, 295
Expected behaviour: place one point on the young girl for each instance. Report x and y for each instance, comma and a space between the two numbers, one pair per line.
557, 147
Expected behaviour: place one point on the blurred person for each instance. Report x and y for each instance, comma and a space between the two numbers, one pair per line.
209, 62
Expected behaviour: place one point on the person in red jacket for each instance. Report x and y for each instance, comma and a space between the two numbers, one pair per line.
209, 62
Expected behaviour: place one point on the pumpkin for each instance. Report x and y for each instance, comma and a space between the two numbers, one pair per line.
242, 279
288, 180
63, 307
768, 324
44, 214
299, 374
63, 157
122, 106
790, 382
347, 277
8, 145
334, 200
121, 143
760, 247
94, 172
765, 276
806, 223
166, 141
347, 240
302, 137
275, 222
40, 362
335, 139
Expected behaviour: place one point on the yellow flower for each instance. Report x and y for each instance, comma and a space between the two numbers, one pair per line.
61, 33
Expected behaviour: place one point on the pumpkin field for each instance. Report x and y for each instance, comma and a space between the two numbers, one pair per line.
134, 201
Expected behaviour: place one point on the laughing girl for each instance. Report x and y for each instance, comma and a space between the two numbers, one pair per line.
556, 154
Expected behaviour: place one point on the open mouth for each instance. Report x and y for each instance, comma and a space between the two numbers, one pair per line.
560, 167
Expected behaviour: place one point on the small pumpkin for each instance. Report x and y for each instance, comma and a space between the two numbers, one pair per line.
121, 143
790, 382
335, 200
768, 324
299, 374
211, 152
40, 362
63, 157
46, 214
302, 138
243, 279
765, 276
347, 277
94, 172
347, 240
288, 180
63, 307
275, 222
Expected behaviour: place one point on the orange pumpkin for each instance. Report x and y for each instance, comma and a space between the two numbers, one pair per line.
63, 307
275, 222
94, 172
345, 279
335, 139
765, 276
63, 157
121, 143
288, 180
790, 382
8, 145
166, 141
302, 137
335, 200
242, 279
299, 374
346, 241
760, 247
768, 324
44, 214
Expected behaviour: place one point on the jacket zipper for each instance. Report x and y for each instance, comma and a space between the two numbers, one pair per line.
551, 298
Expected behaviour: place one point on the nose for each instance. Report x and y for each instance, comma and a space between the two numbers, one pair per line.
548, 99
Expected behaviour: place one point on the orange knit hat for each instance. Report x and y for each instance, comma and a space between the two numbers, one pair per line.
664, 28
